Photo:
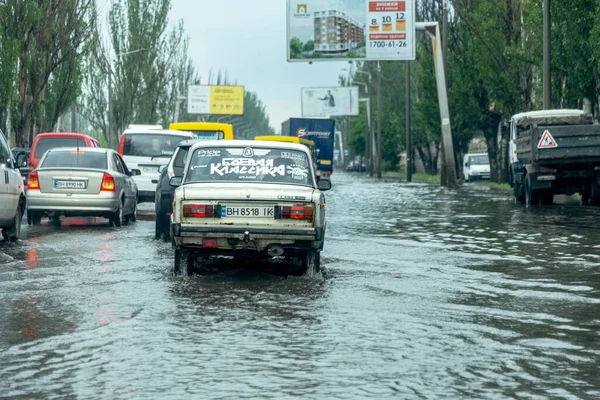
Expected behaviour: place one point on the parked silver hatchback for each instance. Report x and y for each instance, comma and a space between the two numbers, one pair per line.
82, 182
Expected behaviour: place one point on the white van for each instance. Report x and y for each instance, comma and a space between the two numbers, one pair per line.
476, 166
147, 148
12, 194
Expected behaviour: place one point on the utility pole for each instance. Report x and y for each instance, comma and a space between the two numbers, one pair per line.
408, 133
378, 120
74, 118
110, 110
547, 57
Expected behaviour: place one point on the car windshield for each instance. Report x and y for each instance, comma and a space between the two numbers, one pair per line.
75, 159
48, 143
208, 135
250, 164
480, 160
151, 144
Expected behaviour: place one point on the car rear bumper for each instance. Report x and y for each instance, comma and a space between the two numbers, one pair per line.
256, 237
100, 203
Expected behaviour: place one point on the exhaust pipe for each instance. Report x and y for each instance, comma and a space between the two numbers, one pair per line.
275, 250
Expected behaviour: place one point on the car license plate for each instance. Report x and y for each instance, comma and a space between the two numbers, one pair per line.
247, 212
148, 169
70, 184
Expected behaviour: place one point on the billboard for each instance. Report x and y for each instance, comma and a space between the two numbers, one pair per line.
207, 99
329, 101
342, 30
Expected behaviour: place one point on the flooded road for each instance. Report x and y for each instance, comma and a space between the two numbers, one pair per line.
426, 293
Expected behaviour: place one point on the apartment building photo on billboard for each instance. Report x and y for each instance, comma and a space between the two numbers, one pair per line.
337, 33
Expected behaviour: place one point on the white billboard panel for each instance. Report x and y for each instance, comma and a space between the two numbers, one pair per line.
337, 30
329, 101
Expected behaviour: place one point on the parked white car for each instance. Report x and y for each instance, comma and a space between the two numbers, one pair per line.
12, 194
251, 199
148, 148
476, 166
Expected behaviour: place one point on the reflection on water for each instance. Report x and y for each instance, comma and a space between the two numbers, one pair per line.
426, 292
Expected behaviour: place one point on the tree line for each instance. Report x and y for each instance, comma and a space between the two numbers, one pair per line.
58, 68
494, 70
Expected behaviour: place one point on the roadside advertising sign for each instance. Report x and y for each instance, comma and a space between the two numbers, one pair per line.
342, 30
329, 101
207, 99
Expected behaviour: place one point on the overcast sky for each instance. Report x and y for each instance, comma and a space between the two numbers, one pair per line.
247, 39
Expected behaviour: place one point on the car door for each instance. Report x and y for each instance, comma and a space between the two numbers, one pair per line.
9, 182
126, 182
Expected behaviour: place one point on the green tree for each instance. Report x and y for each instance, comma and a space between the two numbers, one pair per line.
295, 48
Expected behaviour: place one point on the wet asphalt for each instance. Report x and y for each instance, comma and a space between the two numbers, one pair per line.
425, 293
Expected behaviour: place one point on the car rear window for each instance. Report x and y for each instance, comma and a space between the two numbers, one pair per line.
151, 144
75, 159
250, 164
45, 144
179, 161
208, 135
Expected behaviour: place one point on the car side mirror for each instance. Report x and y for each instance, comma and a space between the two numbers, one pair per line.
135, 172
176, 181
324, 184
161, 168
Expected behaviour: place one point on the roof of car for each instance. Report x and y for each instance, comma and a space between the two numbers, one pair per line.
61, 134
149, 131
84, 149
250, 143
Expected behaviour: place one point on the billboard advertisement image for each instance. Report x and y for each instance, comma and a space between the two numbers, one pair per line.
337, 30
329, 101
206, 99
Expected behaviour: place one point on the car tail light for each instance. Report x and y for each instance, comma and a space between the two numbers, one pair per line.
108, 183
122, 145
33, 181
201, 211
296, 212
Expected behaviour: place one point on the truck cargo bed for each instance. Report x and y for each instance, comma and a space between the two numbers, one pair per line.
565, 144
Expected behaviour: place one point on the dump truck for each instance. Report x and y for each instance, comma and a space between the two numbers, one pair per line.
554, 152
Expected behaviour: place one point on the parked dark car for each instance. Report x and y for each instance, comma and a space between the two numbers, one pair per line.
21, 156
163, 204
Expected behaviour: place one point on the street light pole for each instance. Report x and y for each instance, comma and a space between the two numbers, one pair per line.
378, 120
110, 106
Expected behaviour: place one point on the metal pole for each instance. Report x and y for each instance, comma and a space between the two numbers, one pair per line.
408, 133
110, 108
378, 120
74, 118
176, 113
547, 57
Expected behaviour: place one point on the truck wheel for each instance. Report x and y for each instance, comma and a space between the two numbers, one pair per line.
532, 197
518, 193
547, 198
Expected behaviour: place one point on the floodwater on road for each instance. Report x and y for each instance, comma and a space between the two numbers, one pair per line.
425, 293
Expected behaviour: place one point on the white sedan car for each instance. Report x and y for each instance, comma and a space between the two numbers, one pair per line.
251, 199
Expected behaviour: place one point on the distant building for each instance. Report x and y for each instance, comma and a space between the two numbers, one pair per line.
336, 33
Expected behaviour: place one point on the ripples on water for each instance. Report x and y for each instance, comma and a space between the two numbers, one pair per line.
426, 293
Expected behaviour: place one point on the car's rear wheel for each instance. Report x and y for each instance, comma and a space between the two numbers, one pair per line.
191, 258
34, 217
178, 255
161, 226
116, 218
133, 216
308, 263
13, 232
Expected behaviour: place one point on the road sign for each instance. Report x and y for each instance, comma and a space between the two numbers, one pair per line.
329, 101
547, 141
337, 30
206, 99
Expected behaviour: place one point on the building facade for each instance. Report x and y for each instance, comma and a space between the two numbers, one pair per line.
337, 33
